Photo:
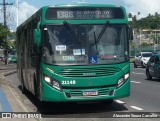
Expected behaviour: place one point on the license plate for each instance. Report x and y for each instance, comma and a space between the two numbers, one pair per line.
90, 93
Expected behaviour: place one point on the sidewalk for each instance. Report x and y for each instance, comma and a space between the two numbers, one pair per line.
7, 69
5, 105
9, 100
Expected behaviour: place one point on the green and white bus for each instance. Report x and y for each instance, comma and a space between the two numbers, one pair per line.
76, 52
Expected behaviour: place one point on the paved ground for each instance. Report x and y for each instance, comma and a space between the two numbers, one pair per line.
5, 70
4, 104
18, 104
8, 99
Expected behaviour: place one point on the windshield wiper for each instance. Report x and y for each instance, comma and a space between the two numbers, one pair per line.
102, 32
95, 41
70, 29
74, 34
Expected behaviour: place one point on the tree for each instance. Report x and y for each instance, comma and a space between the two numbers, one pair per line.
4, 33
144, 44
138, 14
134, 18
132, 45
130, 15
156, 14
149, 15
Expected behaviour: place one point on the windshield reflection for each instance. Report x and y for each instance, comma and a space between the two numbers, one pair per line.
61, 45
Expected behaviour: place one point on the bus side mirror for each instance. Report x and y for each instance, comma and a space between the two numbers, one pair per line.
37, 37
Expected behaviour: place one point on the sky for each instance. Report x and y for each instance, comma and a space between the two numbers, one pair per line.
28, 7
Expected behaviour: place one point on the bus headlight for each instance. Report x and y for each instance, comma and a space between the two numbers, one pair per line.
122, 80
52, 82
47, 79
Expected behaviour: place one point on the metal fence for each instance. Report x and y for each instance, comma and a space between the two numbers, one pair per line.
153, 48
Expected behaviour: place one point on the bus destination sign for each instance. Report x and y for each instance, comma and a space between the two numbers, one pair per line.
85, 13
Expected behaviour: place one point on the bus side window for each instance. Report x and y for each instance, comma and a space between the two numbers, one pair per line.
47, 55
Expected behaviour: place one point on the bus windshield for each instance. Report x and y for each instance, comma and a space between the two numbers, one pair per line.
61, 46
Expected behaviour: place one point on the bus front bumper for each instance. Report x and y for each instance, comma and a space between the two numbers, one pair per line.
51, 94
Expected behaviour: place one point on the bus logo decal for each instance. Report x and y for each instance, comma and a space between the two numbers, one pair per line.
89, 74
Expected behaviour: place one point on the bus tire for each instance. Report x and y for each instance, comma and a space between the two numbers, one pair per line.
23, 88
35, 86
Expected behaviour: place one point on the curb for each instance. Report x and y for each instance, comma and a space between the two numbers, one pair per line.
7, 87
9, 92
9, 73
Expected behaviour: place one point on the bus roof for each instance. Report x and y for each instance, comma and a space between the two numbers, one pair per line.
82, 5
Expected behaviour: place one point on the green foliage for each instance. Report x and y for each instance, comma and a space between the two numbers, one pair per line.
149, 22
132, 44
12, 36
4, 37
144, 44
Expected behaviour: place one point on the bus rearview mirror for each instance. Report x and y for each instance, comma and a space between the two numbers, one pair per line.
37, 37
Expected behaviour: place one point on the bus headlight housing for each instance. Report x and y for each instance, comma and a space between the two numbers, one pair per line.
47, 79
122, 80
52, 82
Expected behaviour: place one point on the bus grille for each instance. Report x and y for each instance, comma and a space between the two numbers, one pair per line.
88, 72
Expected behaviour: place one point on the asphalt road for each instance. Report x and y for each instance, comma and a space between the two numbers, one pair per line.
145, 97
